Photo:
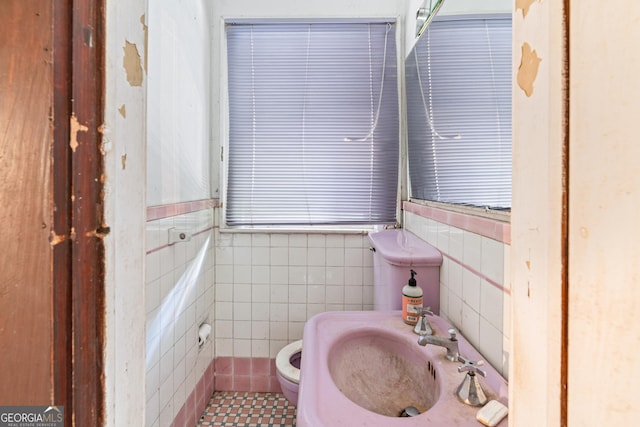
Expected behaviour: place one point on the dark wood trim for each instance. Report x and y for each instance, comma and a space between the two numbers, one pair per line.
564, 355
61, 222
87, 109
79, 228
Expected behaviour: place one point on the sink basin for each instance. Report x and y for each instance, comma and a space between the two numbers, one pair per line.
365, 368
368, 369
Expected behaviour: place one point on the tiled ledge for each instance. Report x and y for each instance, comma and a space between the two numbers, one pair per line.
175, 209
491, 228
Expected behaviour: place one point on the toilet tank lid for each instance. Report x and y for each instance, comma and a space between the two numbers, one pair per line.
401, 247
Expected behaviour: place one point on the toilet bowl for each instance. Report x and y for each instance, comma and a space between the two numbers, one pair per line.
288, 370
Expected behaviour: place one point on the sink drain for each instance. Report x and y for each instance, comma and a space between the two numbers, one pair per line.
410, 411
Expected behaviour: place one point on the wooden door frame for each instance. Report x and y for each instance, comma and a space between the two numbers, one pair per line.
78, 227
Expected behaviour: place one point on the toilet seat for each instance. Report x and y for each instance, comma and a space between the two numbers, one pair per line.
283, 361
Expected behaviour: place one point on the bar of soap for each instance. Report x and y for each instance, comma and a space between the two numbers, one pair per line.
492, 413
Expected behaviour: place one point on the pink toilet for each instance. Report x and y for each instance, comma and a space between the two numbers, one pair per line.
396, 252
288, 370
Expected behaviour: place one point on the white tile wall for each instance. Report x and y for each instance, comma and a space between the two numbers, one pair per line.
179, 297
472, 285
269, 284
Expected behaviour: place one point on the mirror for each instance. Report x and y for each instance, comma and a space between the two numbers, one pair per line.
425, 14
458, 80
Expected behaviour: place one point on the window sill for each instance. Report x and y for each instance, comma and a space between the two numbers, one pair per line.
495, 215
361, 230
491, 224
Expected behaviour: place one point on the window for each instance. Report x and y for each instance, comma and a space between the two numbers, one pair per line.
459, 112
313, 124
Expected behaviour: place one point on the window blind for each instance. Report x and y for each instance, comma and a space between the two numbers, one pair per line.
313, 124
459, 112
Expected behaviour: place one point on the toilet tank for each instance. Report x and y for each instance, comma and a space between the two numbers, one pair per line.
395, 253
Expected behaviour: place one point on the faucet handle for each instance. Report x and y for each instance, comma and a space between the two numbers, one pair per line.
422, 311
452, 334
422, 325
471, 367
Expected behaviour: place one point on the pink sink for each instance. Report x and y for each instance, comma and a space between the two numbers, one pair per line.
367, 367
364, 368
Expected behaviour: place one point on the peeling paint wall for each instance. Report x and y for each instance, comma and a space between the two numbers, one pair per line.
536, 216
124, 140
585, 149
528, 69
132, 64
76, 127
524, 6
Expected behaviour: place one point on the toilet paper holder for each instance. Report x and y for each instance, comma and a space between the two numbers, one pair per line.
204, 331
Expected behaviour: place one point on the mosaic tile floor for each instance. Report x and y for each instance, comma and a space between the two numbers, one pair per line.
247, 409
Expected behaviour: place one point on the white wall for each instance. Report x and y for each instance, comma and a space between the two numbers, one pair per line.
124, 154
179, 119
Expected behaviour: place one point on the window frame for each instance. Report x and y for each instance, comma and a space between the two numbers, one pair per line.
225, 127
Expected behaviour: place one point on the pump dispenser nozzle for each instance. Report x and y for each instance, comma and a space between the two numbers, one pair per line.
412, 280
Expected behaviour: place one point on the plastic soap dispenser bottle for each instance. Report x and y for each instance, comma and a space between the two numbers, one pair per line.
411, 301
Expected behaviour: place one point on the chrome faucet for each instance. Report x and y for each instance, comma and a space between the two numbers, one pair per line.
470, 391
450, 343
423, 327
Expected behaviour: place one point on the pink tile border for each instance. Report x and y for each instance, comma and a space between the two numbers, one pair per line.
479, 274
491, 228
175, 209
254, 374
197, 401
